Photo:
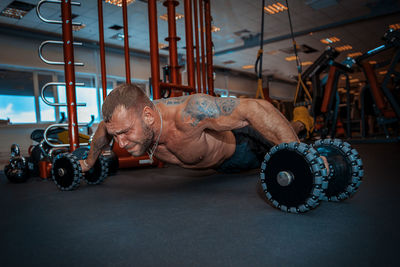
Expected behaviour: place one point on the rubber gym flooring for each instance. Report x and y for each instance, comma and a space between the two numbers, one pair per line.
177, 217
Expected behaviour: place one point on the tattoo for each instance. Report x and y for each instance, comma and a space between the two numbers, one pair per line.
201, 107
172, 101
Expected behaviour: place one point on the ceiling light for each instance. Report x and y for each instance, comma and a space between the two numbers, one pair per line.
330, 40
306, 63
395, 26
17, 10
343, 48
76, 28
275, 8
215, 29
355, 54
119, 2
177, 16
383, 72
246, 67
372, 62
291, 58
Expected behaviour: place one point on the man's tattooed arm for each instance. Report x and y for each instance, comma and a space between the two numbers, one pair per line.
172, 101
201, 107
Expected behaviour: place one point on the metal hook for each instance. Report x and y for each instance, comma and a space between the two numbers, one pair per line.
57, 104
56, 62
59, 125
54, 21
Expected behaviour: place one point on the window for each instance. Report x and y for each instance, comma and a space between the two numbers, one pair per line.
109, 89
47, 113
84, 94
17, 100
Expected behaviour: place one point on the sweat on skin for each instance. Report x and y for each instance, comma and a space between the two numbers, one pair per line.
196, 129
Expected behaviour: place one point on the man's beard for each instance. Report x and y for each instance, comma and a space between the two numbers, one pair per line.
147, 141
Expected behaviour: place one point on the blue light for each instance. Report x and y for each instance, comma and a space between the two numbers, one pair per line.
376, 49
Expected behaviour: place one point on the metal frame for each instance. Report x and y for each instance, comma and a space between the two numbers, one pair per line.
202, 69
69, 69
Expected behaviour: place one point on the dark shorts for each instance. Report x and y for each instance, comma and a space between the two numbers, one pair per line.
251, 148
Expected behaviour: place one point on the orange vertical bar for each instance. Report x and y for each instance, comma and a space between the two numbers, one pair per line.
102, 49
154, 54
209, 53
126, 42
203, 59
172, 39
373, 83
189, 43
69, 71
196, 34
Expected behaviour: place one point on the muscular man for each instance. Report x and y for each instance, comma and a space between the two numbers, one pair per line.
196, 131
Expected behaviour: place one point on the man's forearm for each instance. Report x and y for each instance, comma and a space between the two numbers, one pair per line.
100, 140
266, 119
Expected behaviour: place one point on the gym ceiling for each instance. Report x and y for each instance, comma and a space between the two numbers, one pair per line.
355, 26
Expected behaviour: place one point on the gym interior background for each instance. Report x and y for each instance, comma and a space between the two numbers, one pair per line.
337, 234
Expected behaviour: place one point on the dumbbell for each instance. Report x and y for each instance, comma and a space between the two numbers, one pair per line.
345, 168
17, 169
294, 178
67, 172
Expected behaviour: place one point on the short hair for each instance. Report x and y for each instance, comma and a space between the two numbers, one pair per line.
128, 96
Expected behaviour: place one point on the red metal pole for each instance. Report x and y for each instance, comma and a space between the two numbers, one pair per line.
69, 71
203, 59
196, 34
102, 49
126, 42
154, 54
189, 43
210, 71
172, 39
184, 88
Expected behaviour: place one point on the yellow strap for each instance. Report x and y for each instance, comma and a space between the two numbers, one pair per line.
300, 82
260, 92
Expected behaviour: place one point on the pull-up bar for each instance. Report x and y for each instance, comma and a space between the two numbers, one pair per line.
204, 64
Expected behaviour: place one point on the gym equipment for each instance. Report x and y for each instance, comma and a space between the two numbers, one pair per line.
329, 108
312, 74
345, 168
112, 159
98, 173
293, 177
67, 172
384, 104
17, 169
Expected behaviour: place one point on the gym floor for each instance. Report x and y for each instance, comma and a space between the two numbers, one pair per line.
178, 217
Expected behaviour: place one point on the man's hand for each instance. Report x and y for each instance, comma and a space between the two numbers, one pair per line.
101, 139
326, 164
84, 165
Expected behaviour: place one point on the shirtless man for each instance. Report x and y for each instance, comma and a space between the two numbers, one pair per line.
197, 131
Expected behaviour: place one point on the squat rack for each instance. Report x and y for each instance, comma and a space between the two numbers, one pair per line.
203, 59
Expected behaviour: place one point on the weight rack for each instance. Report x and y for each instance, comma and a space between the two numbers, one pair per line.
69, 71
